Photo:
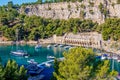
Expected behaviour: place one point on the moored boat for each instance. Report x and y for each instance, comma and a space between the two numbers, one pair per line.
50, 57
38, 46
109, 57
49, 46
19, 53
32, 61
60, 45
118, 60
47, 64
104, 56
55, 45
115, 57
67, 47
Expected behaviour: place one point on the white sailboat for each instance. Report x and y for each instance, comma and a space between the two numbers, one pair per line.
18, 52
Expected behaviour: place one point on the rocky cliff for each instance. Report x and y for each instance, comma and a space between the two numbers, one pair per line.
96, 10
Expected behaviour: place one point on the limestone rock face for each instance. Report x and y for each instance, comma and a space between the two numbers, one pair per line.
87, 9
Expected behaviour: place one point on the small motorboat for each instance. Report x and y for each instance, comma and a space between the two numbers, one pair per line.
60, 45
71, 47
26, 56
47, 64
55, 45
50, 57
67, 47
115, 57
118, 60
49, 46
103, 57
109, 57
32, 61
38, 46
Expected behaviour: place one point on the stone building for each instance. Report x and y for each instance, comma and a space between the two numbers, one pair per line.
89, 39
58, 39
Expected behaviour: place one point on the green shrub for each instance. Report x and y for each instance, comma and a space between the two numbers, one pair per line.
82, 6
91, 11
91, 4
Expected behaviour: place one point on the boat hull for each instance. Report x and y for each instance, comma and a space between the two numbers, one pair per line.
38, 46
19, 53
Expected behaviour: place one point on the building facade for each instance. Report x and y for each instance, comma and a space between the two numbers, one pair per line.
88, 39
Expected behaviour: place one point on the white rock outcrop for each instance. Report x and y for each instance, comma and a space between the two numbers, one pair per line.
66, 10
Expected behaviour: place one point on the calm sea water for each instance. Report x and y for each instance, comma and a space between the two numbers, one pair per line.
39, 55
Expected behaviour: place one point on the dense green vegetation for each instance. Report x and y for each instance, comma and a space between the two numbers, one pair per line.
33, 27
81, 64
110, 29
11, 71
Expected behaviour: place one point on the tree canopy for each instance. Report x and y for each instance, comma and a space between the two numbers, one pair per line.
110, 29
81, 64
12, 71
34, 27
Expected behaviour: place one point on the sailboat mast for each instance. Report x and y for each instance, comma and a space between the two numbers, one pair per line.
16, 39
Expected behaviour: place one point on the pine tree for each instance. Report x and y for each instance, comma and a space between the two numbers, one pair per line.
12, 72
81, 64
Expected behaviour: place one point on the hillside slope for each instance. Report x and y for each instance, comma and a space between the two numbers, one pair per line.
96, 10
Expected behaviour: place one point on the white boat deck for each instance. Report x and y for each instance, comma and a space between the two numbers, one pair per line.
45, 62
60, 59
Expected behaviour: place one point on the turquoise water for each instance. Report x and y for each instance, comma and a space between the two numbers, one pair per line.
39, 55
116, 65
